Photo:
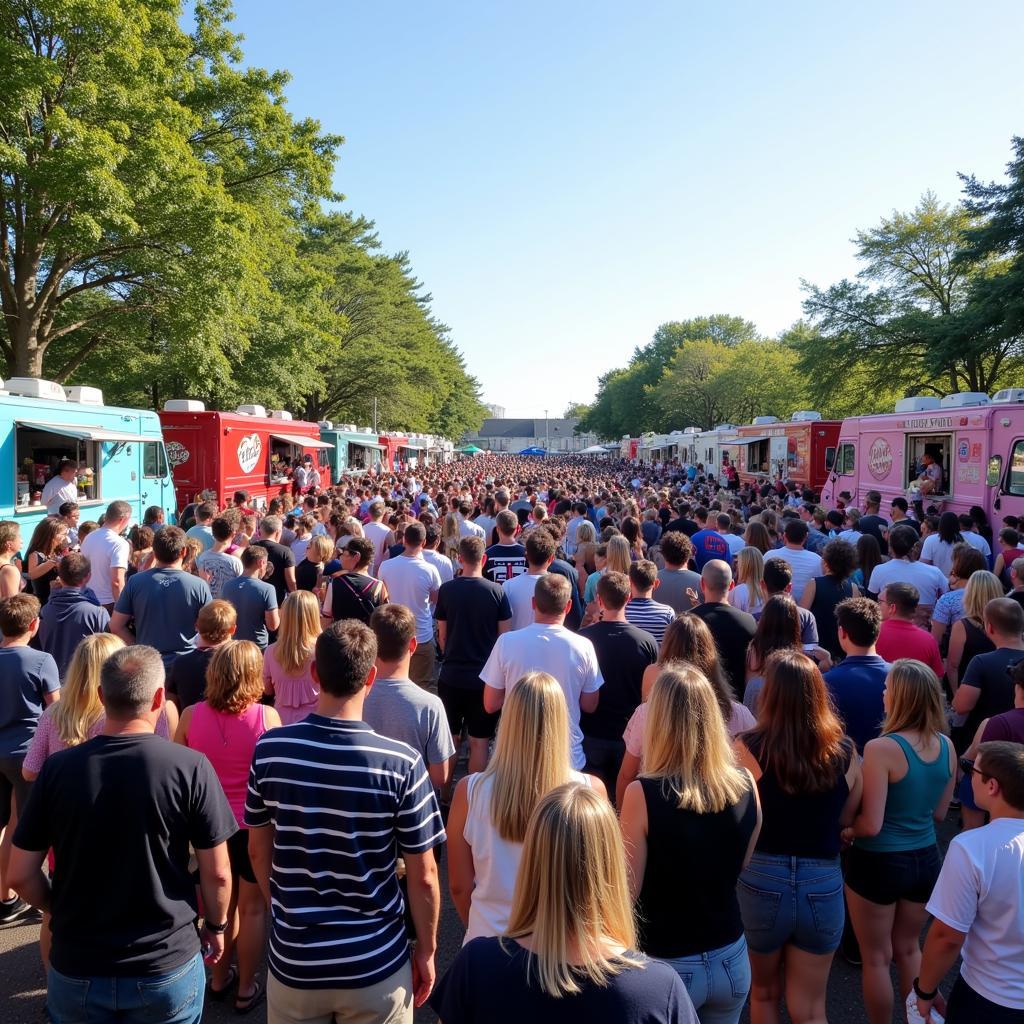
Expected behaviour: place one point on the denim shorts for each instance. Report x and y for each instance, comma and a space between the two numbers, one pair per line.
797, 900
884, 877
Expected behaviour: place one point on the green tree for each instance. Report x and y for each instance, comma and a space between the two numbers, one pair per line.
904, 323
144, 183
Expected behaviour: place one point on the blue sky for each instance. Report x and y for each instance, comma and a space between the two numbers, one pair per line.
566, 176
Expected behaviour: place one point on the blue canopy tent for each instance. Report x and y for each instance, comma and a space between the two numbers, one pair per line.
533, 450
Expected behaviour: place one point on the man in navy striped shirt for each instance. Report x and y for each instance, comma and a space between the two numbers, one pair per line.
330, 807
642, 610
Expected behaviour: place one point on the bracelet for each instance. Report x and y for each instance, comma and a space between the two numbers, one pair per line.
216, 929
926, 996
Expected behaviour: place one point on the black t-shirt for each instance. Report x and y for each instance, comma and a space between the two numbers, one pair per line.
279, 558
120, 813
687, 904
471, 608
990, 673
683, 525
733, 630
186, 678
504, 561
306, 575
354, 595
623, 652
494, 980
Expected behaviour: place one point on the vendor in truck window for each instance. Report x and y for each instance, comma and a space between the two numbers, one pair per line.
930, 479
61, 487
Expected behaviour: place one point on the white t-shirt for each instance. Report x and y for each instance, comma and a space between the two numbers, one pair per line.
442, 563
980, 891
105, 551
977, 541
519, 591
938, 552
56, 492
570, 658
299, 475
735, 543
378, 534
413, 582
930, 581
806, 565
467, 528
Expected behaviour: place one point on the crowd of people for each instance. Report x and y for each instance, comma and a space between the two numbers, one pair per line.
708, 732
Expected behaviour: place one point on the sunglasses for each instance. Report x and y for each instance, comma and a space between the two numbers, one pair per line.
967, 765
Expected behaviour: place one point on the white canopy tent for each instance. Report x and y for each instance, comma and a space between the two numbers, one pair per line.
595, 449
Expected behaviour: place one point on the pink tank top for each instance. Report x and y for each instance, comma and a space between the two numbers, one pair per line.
228, 742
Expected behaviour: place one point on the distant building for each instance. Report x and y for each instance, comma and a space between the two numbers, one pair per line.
499, 434
495, 411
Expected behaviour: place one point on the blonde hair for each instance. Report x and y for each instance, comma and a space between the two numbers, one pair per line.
234, 677
981, 588
750, 570
916, 703
571, 892
531, 753
300, 626
618, 557
79, 707
686, 744
320, 548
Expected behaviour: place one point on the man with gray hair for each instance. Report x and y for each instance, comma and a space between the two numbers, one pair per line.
120, 812
732, 629
108, 553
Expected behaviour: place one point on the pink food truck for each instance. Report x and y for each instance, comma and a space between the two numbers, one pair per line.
976, 441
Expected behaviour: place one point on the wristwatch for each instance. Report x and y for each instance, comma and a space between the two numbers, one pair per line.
926, 996
220, 929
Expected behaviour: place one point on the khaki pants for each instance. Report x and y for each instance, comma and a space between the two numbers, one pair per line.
421, 666
387, 1002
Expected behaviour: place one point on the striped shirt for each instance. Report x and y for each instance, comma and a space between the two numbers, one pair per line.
343, 802
647, 614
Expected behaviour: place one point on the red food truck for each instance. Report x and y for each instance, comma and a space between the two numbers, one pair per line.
801, 450
245, 450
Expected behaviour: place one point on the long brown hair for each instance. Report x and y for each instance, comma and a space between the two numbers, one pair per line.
798, 732
778, 629
689, 639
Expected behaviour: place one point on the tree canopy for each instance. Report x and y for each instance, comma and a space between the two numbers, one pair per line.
163, 228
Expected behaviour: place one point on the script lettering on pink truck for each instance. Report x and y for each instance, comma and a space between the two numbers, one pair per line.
880, 458
250, 449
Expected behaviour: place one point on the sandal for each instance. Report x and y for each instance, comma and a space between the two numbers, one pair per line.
218, 994
243, 1004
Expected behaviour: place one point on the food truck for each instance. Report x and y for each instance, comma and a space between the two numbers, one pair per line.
353, 450
977, 441
245, 450
630, 447
800, 450
120, 452
706, 447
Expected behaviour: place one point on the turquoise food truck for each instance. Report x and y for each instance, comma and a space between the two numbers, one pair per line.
120, 452
355, 451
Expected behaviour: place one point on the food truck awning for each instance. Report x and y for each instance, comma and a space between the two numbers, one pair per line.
366, 444
302, 442
86, 433
745, 440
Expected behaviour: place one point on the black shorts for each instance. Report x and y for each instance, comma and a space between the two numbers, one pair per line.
238, 854
465, 706
884, 878
14, 790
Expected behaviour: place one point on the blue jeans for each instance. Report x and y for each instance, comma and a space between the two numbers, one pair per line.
718, 981
796, 900
172, 998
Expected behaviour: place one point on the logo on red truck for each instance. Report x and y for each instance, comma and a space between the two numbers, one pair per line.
177, 453
250, 449
880, 458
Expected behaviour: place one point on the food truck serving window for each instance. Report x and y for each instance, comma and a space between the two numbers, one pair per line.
1015, 478
39, 450
939, 447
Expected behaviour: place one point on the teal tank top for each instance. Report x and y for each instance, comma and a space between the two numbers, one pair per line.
908, 822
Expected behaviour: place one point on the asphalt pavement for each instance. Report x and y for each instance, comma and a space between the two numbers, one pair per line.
22, 986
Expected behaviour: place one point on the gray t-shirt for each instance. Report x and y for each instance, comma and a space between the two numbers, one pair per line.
164, 604
252, 599
674, 584
219, 567
401, 710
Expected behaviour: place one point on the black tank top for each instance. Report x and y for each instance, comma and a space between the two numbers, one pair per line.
827, 594
687, 904
799, 824
976, 641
